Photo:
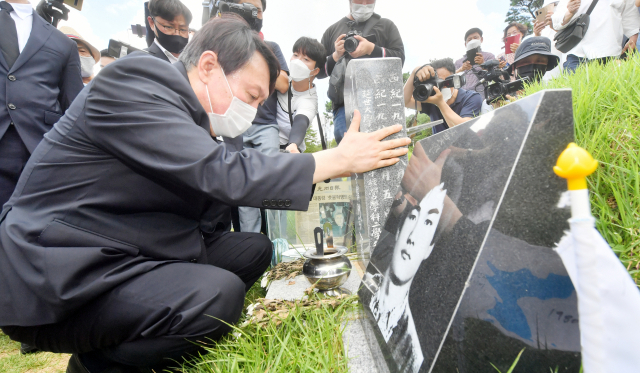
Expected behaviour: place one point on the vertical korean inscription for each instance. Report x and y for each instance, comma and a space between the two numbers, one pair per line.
374, 87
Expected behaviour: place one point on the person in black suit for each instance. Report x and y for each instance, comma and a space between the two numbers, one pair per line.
102, 252
40, 70
169, 21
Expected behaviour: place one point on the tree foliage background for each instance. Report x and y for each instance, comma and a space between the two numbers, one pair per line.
523, 11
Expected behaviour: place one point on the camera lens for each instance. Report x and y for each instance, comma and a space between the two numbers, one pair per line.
351, 44
423, 91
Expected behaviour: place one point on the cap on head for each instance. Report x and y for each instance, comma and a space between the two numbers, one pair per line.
75, 36
535, 45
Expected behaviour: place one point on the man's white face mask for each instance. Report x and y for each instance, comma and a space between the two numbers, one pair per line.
236, 120
87, 64
361, 12
475, 43
446, 94
298, 71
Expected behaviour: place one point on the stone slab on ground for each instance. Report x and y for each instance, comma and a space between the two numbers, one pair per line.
361, 358
294, 289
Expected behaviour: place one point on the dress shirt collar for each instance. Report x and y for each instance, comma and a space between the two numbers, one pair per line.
171, 57
22, 10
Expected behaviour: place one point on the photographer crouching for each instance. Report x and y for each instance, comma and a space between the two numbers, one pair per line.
452, 104
103, 237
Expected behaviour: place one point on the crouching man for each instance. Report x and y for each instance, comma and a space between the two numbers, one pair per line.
101, 248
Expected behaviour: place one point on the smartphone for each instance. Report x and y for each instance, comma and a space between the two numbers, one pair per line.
515, 39
472, 54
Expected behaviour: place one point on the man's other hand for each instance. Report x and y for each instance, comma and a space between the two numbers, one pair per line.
479, 59
422, 175
573, 6
293, 149
631, 44
465, 66
365, 47
424, 73
339, 46
437, 99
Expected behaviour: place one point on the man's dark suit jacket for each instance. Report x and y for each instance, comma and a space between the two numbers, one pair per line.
127, 180
155, 51
41, 84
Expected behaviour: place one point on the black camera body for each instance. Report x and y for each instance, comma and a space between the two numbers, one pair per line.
423, 90
497, 82
246, 10
350, 41
118, 49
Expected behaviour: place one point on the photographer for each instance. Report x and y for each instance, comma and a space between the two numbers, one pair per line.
299, 105
473, 37
609, 22
40, 67
454, 106
361, 18
108, 256
169, 21
263, 133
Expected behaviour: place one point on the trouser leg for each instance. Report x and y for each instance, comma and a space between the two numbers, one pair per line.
13, 156
266, 140
339, 124
155, 317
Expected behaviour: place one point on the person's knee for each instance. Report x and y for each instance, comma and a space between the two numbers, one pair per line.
223, 309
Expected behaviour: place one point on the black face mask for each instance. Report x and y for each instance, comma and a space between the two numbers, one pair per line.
533, 72
172, 43
257, 25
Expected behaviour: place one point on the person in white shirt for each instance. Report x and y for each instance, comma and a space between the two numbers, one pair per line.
299, 105
545, 29
609, 22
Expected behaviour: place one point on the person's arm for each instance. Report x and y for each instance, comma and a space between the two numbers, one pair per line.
298, 132
70, 83
393, 46
630, 24
282, 83
564, 13
637, 3
448, 114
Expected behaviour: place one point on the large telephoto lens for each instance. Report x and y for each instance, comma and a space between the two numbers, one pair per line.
351, 44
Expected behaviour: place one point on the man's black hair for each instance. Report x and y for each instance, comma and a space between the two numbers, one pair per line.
472, 31
446, 63
104, 53
169, 10
231, 38
312, 49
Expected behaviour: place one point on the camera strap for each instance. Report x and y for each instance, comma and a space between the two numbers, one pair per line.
371, 22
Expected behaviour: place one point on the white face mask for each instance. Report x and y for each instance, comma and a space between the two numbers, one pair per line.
298, 71
87, 64
236, 120
362, 13
446, 94
475, 43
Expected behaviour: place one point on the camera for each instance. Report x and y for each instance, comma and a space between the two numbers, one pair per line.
350, 41
423, 90
118, 49
496, 82
53, 11
212, 8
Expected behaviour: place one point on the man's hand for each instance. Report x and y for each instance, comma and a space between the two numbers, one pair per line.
437, 99
538, 27
479, 59
424, 73
422, 175
339, 46
631, 44
465, 66
502, 63
293, 149
514, 47
365, 47
573, 6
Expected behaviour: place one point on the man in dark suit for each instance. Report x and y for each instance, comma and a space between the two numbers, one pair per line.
40, 70
101, 246
169, 21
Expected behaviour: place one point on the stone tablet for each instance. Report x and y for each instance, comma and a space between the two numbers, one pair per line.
464, 274
374, 86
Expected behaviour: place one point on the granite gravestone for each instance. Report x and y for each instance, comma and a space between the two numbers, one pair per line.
374, 86
464, 274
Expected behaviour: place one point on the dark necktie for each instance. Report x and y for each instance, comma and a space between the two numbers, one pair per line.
8, 34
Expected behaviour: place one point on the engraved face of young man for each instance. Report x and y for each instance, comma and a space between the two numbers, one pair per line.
414, 241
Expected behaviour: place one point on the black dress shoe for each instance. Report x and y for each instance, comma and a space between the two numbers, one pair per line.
28, 349
76, 366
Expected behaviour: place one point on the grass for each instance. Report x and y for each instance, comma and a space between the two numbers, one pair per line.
606, 103
11, 361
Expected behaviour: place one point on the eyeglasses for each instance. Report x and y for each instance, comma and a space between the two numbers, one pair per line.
172, 30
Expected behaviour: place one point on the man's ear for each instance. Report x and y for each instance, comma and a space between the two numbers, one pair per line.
151, 23
315, 72
207, 66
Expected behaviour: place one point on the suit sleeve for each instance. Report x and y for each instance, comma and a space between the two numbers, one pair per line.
150, 127
71, 81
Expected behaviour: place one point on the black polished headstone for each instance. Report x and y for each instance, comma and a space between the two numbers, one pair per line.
374, 86
469, 278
